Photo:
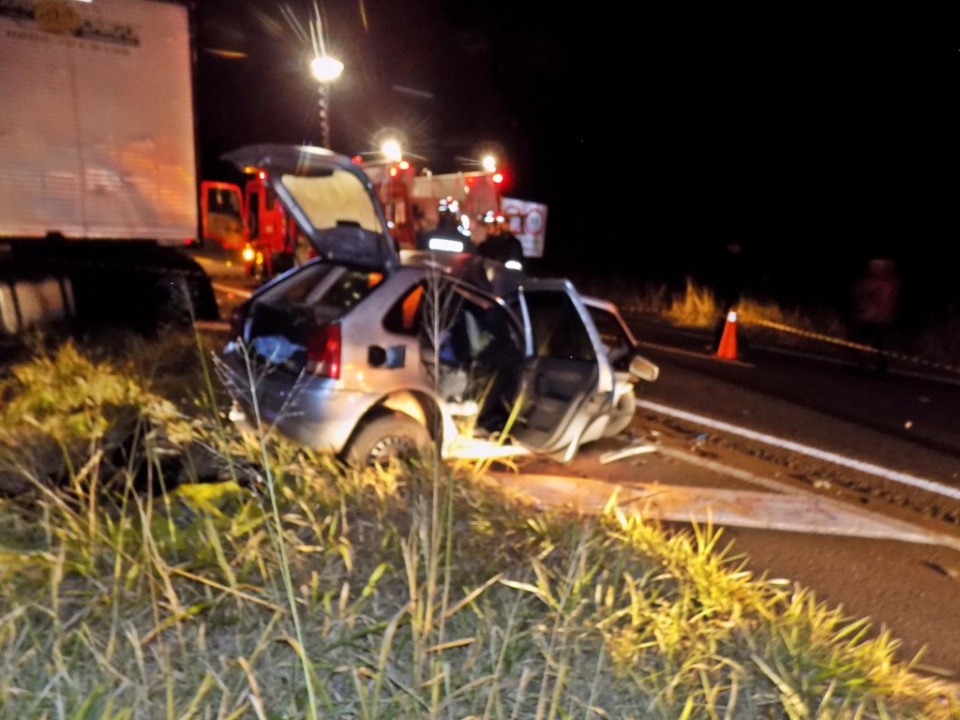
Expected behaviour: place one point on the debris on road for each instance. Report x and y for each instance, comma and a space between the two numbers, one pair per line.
628, 451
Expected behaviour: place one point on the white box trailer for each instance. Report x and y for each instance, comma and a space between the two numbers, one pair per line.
98, 149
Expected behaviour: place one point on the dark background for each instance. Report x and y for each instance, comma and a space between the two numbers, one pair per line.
815, 135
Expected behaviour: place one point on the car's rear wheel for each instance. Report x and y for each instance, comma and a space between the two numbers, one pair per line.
387, 438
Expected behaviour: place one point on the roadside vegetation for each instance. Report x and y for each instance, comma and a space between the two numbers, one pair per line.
694, 306
158, 563
931, 341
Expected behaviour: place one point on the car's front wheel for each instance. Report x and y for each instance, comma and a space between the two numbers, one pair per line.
386, 438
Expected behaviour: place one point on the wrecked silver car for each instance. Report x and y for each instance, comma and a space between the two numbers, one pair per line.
371, 354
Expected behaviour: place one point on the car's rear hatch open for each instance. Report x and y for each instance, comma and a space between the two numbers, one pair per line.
294, 325
330, 198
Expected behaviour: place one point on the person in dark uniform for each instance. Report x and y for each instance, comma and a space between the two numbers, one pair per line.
502, 245
448, 227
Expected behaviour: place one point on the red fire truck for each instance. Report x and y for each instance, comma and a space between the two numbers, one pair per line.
453, 211
247, 223
273, 237
444, 212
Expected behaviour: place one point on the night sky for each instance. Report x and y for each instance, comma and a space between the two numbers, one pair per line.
816, 135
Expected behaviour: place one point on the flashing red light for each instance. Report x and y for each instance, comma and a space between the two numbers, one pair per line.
357, 160
497, 178
393, 171
404, 165
262, 175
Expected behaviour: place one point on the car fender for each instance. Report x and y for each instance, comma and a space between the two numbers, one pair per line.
423, 407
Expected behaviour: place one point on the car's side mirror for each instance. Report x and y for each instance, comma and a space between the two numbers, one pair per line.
644, 369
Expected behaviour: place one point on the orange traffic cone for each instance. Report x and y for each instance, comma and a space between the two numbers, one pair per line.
727, 349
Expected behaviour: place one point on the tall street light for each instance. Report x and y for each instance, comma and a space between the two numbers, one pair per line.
391, 150
325, 69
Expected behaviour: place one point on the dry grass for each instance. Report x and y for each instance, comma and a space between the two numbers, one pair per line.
322, 591
818, 328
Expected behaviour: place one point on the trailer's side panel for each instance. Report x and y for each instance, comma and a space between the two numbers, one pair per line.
96, 120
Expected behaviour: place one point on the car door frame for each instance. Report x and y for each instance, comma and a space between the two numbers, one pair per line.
591, 403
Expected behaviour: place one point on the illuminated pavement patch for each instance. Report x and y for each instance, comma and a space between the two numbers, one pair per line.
796, 512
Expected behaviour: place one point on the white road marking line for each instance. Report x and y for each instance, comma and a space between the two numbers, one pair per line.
869, 468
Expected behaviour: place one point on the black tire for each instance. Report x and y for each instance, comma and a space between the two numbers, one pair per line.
386, 438
173, 296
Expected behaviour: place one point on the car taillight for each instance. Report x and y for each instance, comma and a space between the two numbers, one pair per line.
323, 352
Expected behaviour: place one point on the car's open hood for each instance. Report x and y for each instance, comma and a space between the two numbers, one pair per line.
331, 199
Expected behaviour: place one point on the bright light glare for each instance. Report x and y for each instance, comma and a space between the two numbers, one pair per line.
391, 150
489, 163
326, 68
446, 245
513, 265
